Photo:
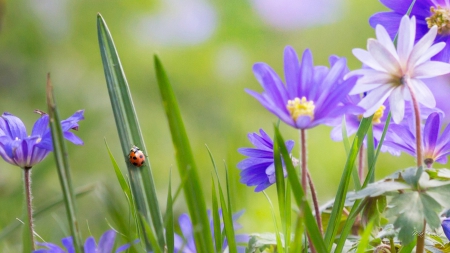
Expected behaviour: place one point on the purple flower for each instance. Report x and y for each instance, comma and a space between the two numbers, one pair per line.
18, 148
446, 227
259, 168
428, 14
105, 245
186, 244
435, 148
312, 94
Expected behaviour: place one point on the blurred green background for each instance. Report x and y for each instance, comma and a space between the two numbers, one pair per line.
208, 48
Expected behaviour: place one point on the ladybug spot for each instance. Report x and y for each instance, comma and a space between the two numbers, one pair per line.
134, 158
135, 164
141, 156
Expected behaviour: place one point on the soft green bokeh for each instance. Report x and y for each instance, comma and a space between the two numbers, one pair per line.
209, 78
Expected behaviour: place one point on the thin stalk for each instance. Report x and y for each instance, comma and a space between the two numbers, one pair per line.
303, 160
420, 236
316, 203
28, 197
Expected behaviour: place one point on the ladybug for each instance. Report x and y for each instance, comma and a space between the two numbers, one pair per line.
136, 156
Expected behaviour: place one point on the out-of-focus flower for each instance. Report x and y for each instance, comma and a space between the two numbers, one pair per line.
389, 70
312, 95
259, 168
294, 14
186, 243
428, 14
446, 227
435, 148
105, 245
18, 148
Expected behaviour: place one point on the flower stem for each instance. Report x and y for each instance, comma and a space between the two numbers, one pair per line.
306, 178
361, 164
28, 198
420, 247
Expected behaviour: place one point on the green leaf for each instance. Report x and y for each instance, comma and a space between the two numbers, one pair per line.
169, 218
279, 243
281, 192
186, 165
150, 235
343, 185
364, 242
300, 198
141, 179
63, 168
216, 218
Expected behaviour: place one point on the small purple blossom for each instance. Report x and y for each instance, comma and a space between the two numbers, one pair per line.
312, 94
259, 168
105, 245
446, 227
18, 148
427, 12
435, 147
186, 243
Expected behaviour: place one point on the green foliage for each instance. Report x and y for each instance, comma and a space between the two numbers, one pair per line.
186, 165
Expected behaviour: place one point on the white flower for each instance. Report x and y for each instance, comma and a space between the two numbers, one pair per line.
388, 69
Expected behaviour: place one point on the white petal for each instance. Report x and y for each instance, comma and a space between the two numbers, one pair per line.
397, 105
375, 99
432, 51
430, 69
405, 41
376, 77
423, 93
366, 58
383, 56
384, 38
422, 49
363, 87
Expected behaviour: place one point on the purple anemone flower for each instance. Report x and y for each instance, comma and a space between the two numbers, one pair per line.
259, 168
18, 148
186, 243
105, 245
428, 13
435, 148
312, 94
446, 227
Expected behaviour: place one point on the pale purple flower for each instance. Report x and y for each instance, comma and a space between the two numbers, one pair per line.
446, 227
18, 148
186, 243
105, 245
312, 95
427, 12
259, 168
435, 146
389, 69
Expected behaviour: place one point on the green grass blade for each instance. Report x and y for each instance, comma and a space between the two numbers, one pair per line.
371, 172
297, 244
280, 248
216, 218
63, 168
192, 189
365, 239
141, 179
281, 191
355, 176
370, 147
169, 218
343, 185
300, 198
228, 220
151, 236
124, 185
288, 211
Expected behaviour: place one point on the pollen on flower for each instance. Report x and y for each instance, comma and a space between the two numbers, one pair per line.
441, 18
300, 107
377, 115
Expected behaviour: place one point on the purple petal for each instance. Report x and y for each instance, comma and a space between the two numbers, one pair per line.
41, 126
72, 121
446, 227
253, 152
306, 75
291, 70
14, 126
90, 246
106, 242
73, 138
68, 243
431, 131
271, 83
389, 20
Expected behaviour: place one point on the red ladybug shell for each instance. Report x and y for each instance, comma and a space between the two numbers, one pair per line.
136, 156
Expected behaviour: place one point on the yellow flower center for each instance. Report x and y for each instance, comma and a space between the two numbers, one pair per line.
440, 17
300, 107
377, 115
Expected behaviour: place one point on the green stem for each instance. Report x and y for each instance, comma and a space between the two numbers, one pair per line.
28, 198
391, 241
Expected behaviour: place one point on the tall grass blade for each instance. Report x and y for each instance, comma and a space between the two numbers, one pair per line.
216, 218
186, 166
62, 164
228, 216
300, 198
355, 176
169, 217
281, 191
343, 185
365, 238
297, 244
277, 227
141, 179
